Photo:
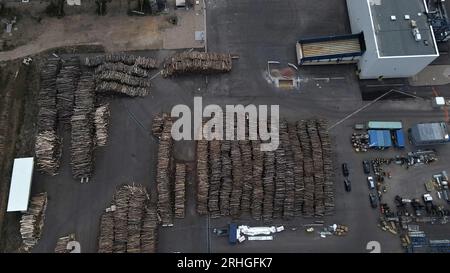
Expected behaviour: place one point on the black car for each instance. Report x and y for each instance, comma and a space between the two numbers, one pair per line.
373, 200
366, 166
345, 171
348, 185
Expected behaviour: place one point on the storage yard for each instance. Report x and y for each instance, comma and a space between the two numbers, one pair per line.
109, 177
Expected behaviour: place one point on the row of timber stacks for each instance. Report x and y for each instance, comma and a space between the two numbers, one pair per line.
47, 145
196, 62
82, 141
122, 74
180, 190
66, 84
129, 225
236, 177
32, 221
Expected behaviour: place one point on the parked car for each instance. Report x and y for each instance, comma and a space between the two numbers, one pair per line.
345, 171
373, 200
371, 182
348, 185
366, 166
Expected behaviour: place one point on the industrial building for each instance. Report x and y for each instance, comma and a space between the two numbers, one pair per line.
398, 38
429, 133
391, 39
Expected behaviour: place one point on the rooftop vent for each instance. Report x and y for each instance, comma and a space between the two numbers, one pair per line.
393, 17
407, 17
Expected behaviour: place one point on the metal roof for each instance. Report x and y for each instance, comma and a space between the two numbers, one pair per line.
395, 37
19, 192
391, 125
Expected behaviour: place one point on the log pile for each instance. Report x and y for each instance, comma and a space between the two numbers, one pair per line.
158, 124
164, 168
48, 152
328, 172
319, 208
196, 62
61, 244
130, 224
280, 177
268, 185
101, 118
308, 167
120, 67
32, 221
298, 170
82, 142
247, 170
215, 164
141, 62
288, 205
66, 84
114, 87
47, 144
122, 78
226, 178
202, 176
236, 191
106, 238
257, 187
180, 190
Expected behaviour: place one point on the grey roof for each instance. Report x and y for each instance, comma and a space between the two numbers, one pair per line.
395, 38
429, 132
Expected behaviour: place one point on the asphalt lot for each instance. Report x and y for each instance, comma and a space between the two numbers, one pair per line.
257, 33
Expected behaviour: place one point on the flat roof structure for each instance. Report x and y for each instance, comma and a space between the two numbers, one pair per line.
392, 24
19, 192
430, 132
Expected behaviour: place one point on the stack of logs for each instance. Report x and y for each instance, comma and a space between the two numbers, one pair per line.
62, 243
101, 118
82, 142
164, 170
66, 84
196, 62
32, 221
130, 224
122, 74
47, 146
236, 177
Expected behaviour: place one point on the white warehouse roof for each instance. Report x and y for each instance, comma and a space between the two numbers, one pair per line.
19, 192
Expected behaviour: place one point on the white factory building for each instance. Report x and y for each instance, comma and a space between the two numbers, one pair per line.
399, 41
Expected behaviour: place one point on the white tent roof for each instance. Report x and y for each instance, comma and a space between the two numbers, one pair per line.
19, 192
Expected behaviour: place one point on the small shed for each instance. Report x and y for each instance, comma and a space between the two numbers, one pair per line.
19, 192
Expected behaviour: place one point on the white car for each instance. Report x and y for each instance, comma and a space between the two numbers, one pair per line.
371, 182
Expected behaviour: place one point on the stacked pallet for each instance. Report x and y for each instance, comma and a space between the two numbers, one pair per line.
226, 178
66, 84
308, 167
288, 205
257, 187
298, 169
196, 62
136, 207
101, 117
215, 163
106, 238
319, 208
327, 167
120, 67
247, 170
62, 243
236, 191
141, 62
48, 152
32, 221
180, 190
47, 147
164, 174
82, 143
149, 230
